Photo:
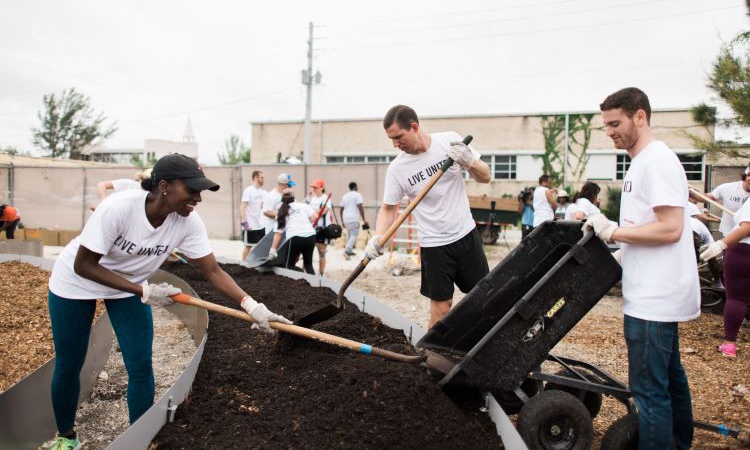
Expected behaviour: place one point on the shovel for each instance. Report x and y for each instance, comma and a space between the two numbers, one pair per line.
337, 306
300, 331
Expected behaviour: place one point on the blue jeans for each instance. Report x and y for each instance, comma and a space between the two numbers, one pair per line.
659, 384
71, 326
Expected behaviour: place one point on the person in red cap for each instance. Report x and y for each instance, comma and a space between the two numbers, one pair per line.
128, 237
9, 220
321, 203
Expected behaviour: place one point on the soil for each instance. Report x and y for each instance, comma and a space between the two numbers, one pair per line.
255, 390
719, 385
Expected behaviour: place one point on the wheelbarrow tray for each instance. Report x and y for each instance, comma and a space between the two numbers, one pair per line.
505, 327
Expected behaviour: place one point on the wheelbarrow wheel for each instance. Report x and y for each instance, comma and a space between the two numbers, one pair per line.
712, 299
591, 400
622, 434
555, 420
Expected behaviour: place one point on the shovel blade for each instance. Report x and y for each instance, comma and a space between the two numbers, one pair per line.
320, 315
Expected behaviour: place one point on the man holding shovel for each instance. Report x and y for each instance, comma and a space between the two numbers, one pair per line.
450, 246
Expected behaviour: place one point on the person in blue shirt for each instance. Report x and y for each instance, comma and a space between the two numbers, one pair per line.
526, 210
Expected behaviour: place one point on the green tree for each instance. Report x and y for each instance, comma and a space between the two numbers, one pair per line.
579, 137
10, 150
235, 151
730, 80
68, 124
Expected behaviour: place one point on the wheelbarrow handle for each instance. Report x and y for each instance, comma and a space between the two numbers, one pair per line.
299, 331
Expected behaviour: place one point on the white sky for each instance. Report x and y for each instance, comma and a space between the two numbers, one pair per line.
151, 64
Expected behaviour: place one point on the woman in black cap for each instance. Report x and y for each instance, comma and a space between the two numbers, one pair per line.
125, 241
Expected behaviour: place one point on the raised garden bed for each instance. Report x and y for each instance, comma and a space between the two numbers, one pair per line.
259, 391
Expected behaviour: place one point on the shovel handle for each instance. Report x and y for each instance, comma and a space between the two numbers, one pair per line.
702, 197
299, 331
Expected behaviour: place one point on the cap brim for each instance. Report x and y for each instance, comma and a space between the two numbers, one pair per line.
201, 184
291, 183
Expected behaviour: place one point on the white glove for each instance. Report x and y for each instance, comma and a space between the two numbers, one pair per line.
262, 315
603, 227
272, 254
373, 249
158, 294
462, 154
712, 250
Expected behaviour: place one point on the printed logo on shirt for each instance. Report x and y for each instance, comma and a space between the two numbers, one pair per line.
627, 186
737, 199
131, 248
424, 174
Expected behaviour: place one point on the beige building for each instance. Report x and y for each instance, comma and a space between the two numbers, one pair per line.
513, 146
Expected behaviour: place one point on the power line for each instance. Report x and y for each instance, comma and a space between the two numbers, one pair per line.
498, 21
522, 33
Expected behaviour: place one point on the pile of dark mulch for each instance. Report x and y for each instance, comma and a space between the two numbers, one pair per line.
273, 391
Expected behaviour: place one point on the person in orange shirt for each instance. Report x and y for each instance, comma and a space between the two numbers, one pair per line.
9, 220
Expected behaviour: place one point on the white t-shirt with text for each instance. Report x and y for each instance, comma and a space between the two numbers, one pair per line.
443, 216
316, 203
732, 196
659, 282
120, 231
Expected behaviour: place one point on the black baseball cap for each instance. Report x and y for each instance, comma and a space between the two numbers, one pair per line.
183, 168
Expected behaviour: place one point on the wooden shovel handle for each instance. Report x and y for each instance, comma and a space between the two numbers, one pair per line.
299, 331
702, 197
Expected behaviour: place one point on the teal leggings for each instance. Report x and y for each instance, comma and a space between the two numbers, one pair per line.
71, 326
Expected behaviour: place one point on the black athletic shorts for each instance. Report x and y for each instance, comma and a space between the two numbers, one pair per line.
252, 237
462, 262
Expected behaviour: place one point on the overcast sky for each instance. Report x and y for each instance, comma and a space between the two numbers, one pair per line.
151, 64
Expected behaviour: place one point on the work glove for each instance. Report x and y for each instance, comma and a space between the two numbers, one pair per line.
373, 248
461, 154
603, 227
261, 315
712, 250
158, 294
245, 226
272, 254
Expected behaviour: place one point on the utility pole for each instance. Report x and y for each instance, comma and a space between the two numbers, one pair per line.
565, 149
308, 79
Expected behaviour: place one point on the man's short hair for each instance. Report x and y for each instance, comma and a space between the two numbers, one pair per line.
544, 178
256, 174
402, 115
352, 186
630, 100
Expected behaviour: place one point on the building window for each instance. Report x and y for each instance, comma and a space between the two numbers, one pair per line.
692, 164
502, 167
347, 159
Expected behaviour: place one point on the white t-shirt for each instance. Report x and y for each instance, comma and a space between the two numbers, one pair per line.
731, 196
123, 184
443, 216
743, 215
271, 202
659, 282
699, 227
350, 202
316, 203
570, 213
692, 210
542, 207
587, 207
298, 222
254, 196
132, 247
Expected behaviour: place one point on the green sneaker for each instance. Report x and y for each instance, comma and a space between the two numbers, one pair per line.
62, 443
